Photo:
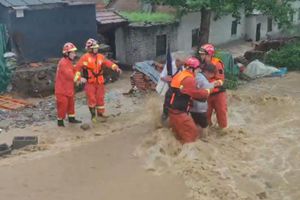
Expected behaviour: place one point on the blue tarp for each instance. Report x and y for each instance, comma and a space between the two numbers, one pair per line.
147, 68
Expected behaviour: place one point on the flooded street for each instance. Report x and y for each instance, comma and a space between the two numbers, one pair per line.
130, 157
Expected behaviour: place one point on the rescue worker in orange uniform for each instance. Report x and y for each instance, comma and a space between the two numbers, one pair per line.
91, 65
183, 88
217, 100
64, 86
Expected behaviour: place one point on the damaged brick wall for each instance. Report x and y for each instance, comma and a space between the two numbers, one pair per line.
38, 79
141, 81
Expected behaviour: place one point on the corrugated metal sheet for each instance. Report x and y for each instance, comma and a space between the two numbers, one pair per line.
5, 3
49, 1
33, 2
109, 17
15, 3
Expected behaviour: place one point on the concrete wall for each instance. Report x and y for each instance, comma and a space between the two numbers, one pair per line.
252, 22
138, 43
41, 33
188, 22
220, 30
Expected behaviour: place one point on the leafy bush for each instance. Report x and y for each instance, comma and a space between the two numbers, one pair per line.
288, 56
148, 17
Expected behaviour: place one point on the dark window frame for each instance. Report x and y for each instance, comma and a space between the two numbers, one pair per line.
292, 17
270, 24
234, 25
161, 45
195, 37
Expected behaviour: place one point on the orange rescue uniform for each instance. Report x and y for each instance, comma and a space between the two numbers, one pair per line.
91, 65
217, 100
64, 89
183, 89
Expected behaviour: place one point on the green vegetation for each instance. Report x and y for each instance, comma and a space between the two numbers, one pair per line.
288, 56
148, 17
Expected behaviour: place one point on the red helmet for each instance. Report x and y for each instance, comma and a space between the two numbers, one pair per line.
91, 44
192, 62
208, 49
68, 47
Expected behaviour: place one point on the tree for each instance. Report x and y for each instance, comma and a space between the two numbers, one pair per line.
280, 10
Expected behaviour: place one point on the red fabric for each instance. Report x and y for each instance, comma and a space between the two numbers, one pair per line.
183, 126
95, 96
94, 63
64, 82
220, 74
65, 105
190, 88
218, 103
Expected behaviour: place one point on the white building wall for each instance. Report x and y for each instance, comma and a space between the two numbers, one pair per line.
250, 28
296, 6
220, 30
263, 20
188, 22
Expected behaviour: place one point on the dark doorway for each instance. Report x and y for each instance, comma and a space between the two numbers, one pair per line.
110, 40
258, 28
161, 45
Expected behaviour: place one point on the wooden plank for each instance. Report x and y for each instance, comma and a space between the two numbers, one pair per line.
11, 104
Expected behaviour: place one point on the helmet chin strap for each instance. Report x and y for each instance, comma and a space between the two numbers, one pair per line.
69, 57
202, 59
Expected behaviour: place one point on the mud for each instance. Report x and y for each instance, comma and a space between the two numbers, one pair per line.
256, 158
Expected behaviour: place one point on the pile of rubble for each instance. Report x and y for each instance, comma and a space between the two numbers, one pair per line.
263, 47
36, 114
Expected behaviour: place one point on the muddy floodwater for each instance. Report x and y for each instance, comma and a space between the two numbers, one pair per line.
132, 157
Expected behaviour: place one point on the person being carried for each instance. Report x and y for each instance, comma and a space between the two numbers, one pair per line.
199, 108
182, 90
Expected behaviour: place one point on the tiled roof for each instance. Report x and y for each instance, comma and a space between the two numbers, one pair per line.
16, 3
109, 17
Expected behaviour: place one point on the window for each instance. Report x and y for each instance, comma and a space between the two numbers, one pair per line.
234, 27
195, 37
270, 24
161, 45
